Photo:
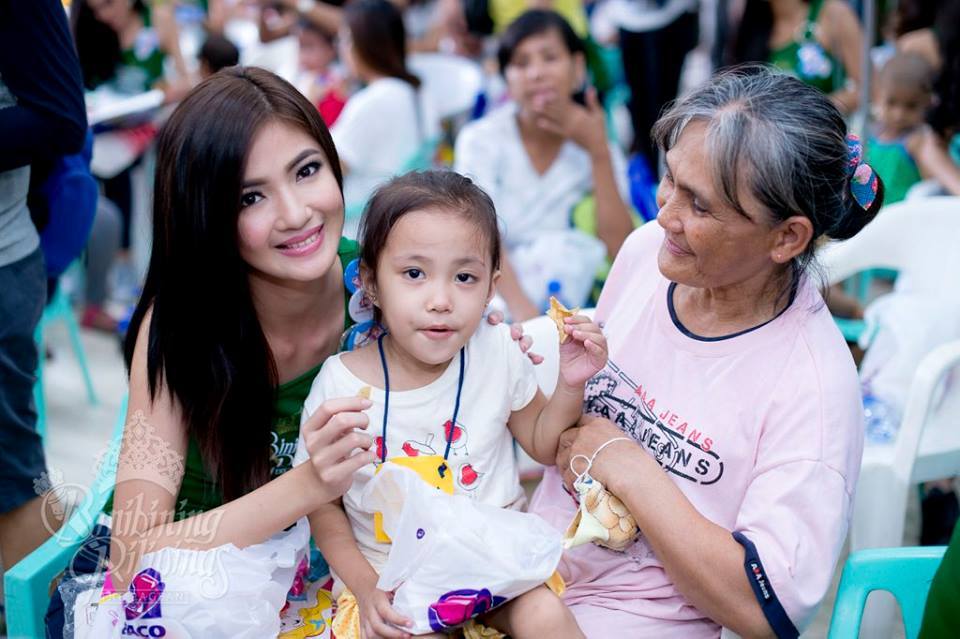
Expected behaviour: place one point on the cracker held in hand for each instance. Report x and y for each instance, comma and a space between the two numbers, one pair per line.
558, 312
364, 392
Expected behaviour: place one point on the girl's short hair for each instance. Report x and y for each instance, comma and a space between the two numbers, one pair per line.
206, 346
535, 22
421, 190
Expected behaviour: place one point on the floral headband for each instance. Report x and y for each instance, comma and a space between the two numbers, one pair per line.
863, 179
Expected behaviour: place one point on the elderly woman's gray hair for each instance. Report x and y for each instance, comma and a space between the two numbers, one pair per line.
782, 140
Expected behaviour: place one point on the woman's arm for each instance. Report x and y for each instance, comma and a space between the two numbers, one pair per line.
169, 37
586, 126
845, 41
718, 587
151, 466
933, 160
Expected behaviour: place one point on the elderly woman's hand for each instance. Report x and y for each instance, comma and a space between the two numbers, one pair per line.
585, 440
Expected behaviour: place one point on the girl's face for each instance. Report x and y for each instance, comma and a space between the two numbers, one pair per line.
291, 209
316, 52
899, 109
434, 280
707, 243
113, 13
542, 69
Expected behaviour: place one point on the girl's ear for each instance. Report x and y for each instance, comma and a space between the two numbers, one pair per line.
494, 280
368, 282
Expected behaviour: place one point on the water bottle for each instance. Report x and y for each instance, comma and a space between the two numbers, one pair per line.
881, 419
554, 287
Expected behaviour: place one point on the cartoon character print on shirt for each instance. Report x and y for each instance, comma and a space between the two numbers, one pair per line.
680, 447
467, 477
413, 448
458, 439
283, 444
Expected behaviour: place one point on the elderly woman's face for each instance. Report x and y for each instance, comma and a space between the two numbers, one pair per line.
708, 244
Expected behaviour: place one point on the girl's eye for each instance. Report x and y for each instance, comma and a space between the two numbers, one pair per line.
250, 198
466, 278
413, 273
311, 168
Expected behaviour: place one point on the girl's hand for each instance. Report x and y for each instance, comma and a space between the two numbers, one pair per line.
336, 450
516, 332
585, 125
584, 354
377, 614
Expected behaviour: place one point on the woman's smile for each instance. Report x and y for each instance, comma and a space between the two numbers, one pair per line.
303, 244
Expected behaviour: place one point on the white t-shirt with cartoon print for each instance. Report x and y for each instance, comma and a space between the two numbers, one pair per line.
498, 379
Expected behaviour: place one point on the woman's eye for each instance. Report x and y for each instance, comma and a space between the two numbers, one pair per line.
308, 169
466, 278
699, 209
249, 199
413, 273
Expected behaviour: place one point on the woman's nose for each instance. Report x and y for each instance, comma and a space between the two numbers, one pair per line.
293, 213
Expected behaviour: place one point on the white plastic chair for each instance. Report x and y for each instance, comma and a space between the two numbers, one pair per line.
919, 239
452, 82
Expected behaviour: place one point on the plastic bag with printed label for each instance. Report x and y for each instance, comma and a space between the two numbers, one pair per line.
194, 594
452, 557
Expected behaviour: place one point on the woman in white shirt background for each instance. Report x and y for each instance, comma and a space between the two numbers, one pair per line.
385, 122
538, 157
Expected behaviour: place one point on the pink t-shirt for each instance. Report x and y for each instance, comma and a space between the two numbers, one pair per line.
761, 431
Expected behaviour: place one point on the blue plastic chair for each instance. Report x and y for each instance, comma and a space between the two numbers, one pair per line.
906, 573
59, 309
27, 584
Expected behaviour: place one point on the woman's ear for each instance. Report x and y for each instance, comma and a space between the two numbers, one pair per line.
791, 238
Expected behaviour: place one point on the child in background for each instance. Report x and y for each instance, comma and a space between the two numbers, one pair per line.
429, 264
318, 80
903, 150
215, 54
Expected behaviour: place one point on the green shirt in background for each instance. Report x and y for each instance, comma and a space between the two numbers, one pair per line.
941, 616
806, 58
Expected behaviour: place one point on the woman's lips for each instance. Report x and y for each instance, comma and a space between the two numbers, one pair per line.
304, 244
674, 249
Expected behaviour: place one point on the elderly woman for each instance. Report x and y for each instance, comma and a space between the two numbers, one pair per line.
729, 414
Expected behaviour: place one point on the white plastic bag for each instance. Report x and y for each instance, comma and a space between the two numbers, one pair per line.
570, 258
453, 558
201, 594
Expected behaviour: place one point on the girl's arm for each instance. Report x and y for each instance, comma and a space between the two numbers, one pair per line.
151, 466
845, 41
538, 425
335, 541
718, 587
933, 160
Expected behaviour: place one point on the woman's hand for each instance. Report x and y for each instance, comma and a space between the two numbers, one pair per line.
336, 450
584, 354
585, 440
516, 332
585, 125
377, 614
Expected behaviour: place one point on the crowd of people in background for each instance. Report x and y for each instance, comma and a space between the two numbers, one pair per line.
564, 138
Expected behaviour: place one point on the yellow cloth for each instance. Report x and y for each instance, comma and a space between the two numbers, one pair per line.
346, 623
503, 12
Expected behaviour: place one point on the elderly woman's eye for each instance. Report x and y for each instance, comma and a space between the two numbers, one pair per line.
699, 209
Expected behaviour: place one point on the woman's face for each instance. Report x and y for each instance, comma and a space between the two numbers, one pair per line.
542, 69
291, 211
113, 13
316, 52
709, 244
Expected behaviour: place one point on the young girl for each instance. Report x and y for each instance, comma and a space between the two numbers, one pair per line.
443, 383
903, 148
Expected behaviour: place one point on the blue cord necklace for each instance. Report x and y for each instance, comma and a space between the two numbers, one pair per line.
386, 406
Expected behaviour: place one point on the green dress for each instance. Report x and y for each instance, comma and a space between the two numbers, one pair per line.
141, 66
895, 167
941, 616
198, 491
807, 59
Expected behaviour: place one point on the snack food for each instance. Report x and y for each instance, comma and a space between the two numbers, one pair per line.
558, 312
364, 392
602, 518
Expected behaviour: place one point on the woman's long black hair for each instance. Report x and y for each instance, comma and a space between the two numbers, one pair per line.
380, 38
98, 45
205, 344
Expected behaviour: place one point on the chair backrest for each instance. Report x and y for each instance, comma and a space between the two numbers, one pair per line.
917, 237
452, 82
906, 573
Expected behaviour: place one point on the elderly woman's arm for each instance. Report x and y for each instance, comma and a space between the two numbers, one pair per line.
718, 587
